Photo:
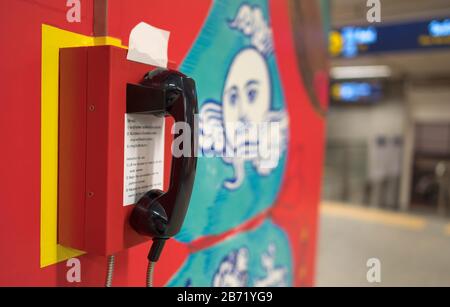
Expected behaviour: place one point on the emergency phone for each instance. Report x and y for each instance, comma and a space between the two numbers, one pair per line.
98, 88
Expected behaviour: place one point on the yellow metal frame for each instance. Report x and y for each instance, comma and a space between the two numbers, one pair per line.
52, 40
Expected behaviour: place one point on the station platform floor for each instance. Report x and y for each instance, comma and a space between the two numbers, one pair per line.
413, 249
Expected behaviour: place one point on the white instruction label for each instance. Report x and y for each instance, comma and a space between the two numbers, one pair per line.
144, 156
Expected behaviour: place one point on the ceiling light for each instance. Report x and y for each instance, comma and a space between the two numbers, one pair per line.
360, 72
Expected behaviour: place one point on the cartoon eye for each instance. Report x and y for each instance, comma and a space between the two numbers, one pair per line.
233, 96
252, 90
252, 94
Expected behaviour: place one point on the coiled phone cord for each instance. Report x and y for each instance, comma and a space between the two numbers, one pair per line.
153, 256
150, 269
110, 271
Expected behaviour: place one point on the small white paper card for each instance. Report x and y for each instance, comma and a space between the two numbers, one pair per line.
148, 45
143, 156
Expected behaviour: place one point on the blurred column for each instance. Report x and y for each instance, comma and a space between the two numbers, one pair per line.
394, 166
443, 178
377, 172
407, 161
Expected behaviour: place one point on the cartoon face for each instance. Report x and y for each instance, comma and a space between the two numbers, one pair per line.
247, 91
233, 270
243, 125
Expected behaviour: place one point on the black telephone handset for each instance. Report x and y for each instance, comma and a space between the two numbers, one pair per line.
160, 214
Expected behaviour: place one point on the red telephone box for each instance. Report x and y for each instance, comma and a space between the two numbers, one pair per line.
92, 216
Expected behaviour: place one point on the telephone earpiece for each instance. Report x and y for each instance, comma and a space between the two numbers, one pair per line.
149, 216
159, 214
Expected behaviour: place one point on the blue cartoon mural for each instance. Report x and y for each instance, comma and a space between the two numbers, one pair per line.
239, 88
234, 270
238, 82
246, 104
258, 258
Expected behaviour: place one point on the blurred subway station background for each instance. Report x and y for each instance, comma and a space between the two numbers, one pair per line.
386, 181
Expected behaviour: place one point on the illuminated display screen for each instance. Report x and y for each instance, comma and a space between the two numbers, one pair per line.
352, 41
355, 92
439, 28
